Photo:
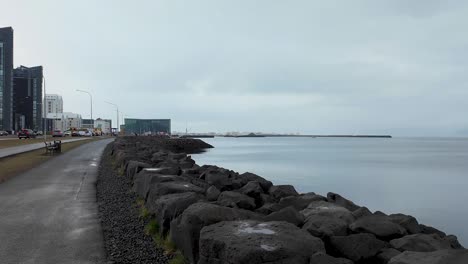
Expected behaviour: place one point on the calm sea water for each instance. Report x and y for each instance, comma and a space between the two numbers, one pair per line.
423, 177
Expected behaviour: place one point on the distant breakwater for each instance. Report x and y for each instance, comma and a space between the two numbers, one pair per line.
215, 215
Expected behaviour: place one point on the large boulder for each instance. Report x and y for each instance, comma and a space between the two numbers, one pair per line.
281, 191
145, 179
248, 176
212, 193
361, 212
224, 180
162, 188
453, 240
298, 202
406, 221
325, 226
445, 256
185, 229
256, 242
322, 258
356, 247
420, 243
431, 230
169, 206
340, 200
158, 157
133, 167
253, 189
322, 208
379, 225
288, 214
387, 254
235, 199
301, 201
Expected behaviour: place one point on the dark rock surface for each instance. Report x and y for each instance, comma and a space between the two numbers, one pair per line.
288, 214
447, 256
124, 237
248, 176
379, 225
168, 207
325, 226
420, 243
256, 242
185, 229
340, 200
322, 258
386, 254
281, 191
236, 200
212, 193
406, 221
331, 210
357, 246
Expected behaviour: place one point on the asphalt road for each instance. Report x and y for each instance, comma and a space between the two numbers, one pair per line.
49, 214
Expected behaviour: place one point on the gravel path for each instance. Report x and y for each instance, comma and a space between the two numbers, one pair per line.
124, 237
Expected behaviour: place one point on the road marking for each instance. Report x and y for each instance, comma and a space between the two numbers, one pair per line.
81, 184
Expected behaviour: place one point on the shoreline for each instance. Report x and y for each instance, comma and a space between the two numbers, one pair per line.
165, 177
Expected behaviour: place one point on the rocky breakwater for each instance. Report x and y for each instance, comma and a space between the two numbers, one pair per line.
216, 215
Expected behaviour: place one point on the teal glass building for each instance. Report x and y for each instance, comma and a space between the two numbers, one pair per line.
147, 126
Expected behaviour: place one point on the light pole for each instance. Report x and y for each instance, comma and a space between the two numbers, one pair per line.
91, 98
117, 129
45, 112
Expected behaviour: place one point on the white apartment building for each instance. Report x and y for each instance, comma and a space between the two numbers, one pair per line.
54, 103
64, 121
104, 125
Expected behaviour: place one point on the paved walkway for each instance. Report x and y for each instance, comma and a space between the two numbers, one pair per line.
29, 147
49, 214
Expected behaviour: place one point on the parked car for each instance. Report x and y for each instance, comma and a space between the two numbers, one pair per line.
3, 133
57, 133
75, 134
39, 133
26, 133
67, 133
88, 134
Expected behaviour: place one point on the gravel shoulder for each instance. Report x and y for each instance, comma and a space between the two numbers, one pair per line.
124, 236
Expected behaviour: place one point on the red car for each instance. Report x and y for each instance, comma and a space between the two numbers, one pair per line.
26, 133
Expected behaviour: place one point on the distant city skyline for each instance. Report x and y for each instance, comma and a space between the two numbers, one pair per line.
313, 67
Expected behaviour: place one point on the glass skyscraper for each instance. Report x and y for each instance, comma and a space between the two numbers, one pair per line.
27, 98
6, 78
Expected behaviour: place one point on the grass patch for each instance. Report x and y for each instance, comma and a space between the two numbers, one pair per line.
144, 213
177, 259
14, 142
121, 171
152, 228
166, 243
14, 165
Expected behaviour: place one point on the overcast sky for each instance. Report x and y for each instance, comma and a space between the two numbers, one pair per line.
385, 67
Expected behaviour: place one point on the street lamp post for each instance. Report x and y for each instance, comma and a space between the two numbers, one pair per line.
91, 98
117, 129
44, 129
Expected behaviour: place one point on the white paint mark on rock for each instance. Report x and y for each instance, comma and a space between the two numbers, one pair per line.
257, 229
268, 248
152, 169
186, 185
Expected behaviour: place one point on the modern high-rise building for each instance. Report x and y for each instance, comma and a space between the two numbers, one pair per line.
54, 103
27, 98
6, 78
